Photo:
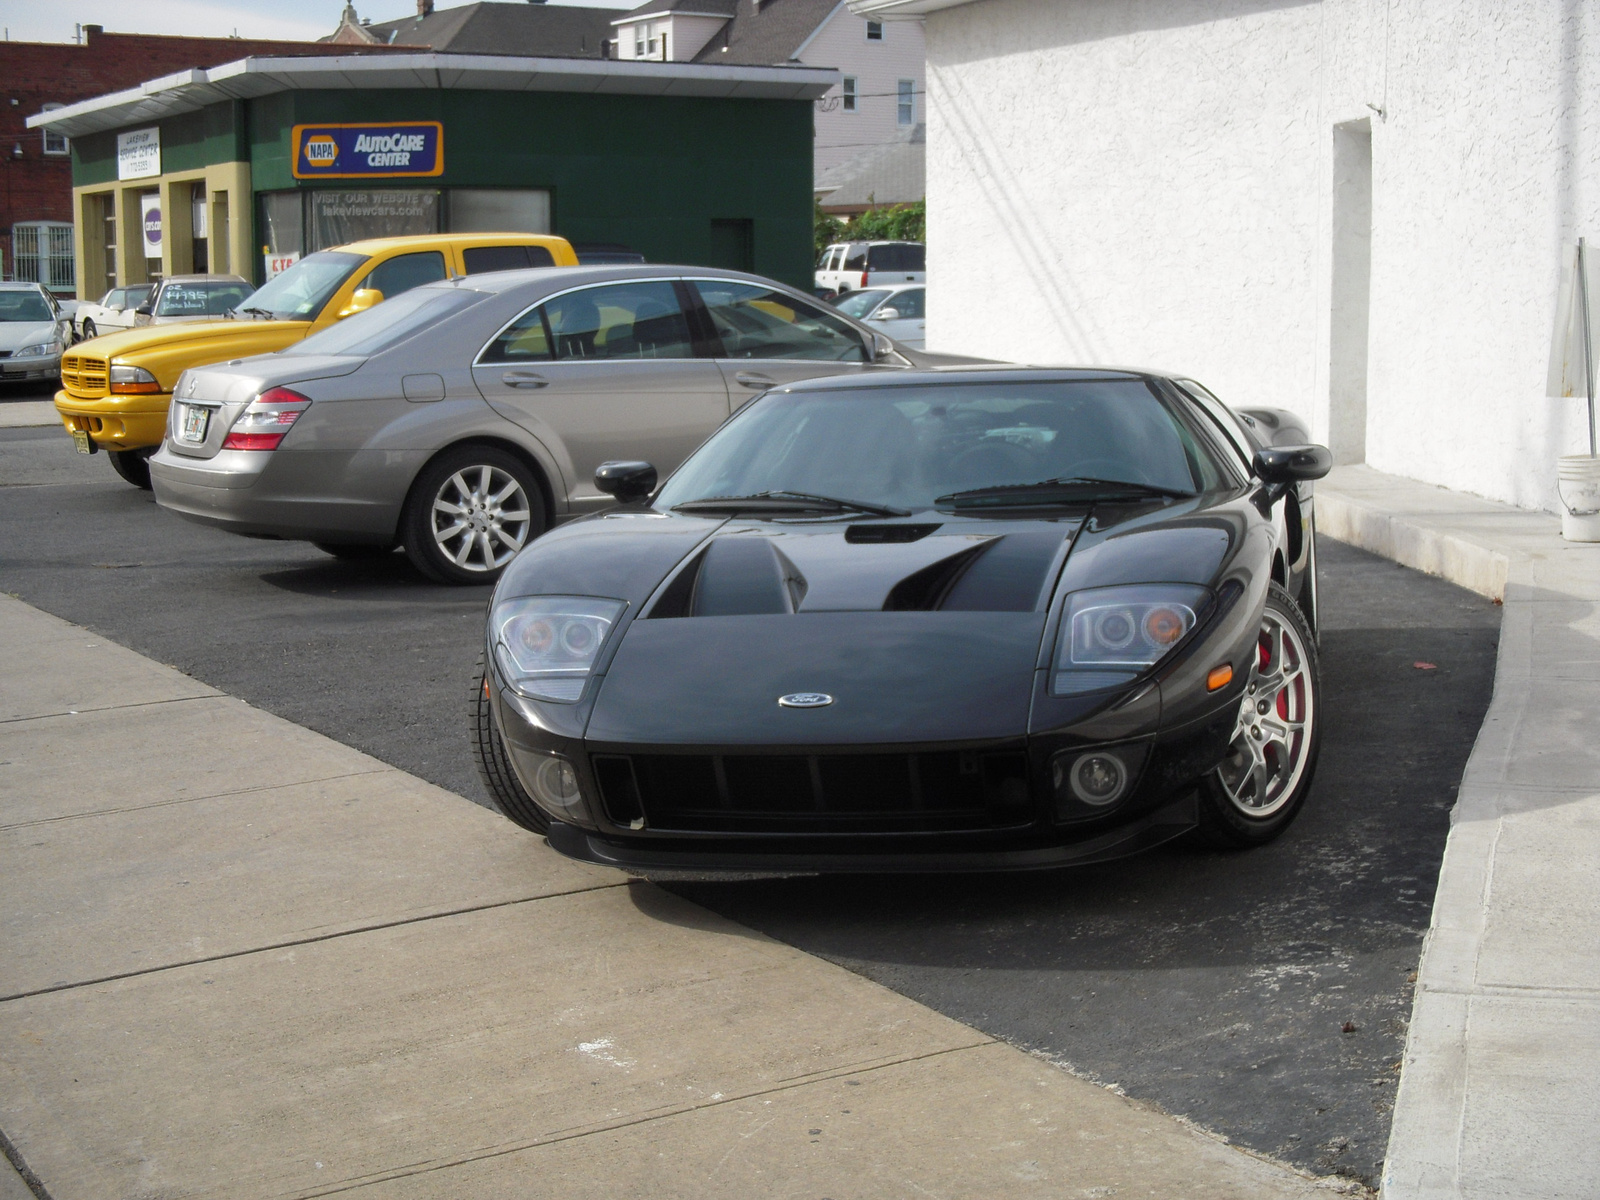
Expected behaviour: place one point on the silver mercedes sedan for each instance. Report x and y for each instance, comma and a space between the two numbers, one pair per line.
462, 419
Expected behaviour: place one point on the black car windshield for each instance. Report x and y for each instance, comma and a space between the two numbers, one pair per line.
301, 291
26, 306
907, 446
390, 323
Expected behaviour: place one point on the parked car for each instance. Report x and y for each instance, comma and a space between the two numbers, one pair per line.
898, 311
850, 266
181, 298
974, 619
605, 254
463, 418
116, 391
33, 333
113, 311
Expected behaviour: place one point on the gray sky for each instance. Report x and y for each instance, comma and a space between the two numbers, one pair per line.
301, 20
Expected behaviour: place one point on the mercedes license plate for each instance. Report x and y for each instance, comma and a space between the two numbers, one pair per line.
195, 422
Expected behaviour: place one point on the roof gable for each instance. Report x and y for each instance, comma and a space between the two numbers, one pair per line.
769, 34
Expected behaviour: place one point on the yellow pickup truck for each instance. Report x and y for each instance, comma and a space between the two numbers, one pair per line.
116, 388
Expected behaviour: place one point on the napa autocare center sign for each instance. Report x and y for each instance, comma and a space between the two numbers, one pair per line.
408, 149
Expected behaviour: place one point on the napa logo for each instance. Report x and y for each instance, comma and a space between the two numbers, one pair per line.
321, 150
369, 150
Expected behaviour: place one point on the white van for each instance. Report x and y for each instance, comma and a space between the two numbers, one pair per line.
851, 266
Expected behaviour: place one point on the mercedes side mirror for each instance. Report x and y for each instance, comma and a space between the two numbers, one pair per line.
629, 482
363, 299
1287, 465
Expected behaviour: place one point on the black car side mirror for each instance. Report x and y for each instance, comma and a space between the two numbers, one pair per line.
1286, 465
629, 482
1281, 467
144, 310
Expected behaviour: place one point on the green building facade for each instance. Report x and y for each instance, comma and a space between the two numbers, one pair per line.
233, 169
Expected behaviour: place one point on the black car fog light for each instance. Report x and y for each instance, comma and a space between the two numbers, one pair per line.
1091, 781
554, 785
1098, 779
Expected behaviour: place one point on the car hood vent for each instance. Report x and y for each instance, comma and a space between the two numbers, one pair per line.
760, 570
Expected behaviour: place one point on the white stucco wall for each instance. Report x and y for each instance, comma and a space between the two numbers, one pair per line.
878, 67
1152, 182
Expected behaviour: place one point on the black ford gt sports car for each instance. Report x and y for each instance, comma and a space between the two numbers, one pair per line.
974, 619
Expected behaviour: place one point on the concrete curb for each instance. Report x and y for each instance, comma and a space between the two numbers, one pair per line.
1496, 1093
1406, 540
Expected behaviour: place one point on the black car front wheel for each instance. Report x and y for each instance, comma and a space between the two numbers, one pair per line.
493, 764
470, 511
133, 465
1260, 787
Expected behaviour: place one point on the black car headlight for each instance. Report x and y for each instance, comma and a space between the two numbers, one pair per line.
546, 646
1111, 636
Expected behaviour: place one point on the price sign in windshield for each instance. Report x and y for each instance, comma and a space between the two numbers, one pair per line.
413, 148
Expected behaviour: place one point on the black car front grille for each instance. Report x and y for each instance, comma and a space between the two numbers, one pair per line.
938, 791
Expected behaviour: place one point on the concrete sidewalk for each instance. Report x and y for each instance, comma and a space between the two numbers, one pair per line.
28, 414
238, 959
1501, 1083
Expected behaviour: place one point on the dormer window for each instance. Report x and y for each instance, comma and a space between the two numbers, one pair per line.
874, 31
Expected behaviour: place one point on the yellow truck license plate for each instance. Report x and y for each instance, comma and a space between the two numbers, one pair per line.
80, 438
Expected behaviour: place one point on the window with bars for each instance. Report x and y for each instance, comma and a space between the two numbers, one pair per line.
41, 252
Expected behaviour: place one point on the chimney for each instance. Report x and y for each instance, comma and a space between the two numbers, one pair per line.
90, 32
424, 8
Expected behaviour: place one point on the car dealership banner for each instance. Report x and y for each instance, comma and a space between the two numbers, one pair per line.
414, 148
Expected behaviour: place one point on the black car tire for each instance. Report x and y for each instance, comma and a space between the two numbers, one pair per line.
354, 551
133, 465
88, 329
443, 476
493, 764
1231, 795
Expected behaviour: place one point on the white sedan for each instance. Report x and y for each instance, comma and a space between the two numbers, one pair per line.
111, 312
899, 311
32, 333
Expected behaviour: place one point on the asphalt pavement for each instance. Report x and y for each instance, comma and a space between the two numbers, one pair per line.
1262, 995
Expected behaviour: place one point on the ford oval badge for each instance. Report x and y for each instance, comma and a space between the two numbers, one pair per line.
805, 700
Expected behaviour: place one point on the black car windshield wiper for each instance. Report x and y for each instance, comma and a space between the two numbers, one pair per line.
780, 501
253, 309
1075, 489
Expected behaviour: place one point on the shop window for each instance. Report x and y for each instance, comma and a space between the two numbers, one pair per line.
55, 143
283, 228
41, 252
338, 217
498, 210
849, 89
907, 100
479, 259
404, 272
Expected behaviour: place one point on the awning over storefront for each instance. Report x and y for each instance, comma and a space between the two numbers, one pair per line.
189, 91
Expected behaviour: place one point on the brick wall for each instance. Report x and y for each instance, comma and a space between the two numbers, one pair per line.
35, 186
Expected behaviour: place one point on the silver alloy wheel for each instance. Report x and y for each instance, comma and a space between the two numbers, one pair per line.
1268, 754
480, 518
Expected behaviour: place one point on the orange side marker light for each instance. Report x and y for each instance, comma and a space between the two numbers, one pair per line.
1220, 677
